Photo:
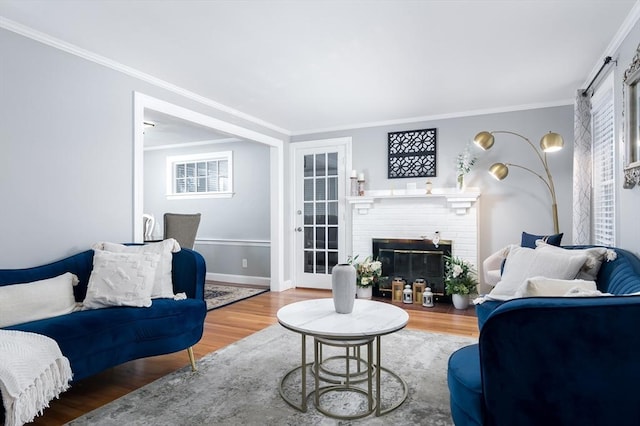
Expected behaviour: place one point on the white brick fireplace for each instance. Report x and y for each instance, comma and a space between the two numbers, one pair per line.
414, 214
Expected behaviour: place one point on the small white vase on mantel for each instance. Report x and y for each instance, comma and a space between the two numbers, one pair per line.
460, 301
460, 183
364, 292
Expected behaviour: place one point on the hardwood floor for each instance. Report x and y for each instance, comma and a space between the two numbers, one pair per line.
222, 327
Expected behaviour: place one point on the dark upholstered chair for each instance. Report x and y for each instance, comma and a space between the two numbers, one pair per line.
182, 227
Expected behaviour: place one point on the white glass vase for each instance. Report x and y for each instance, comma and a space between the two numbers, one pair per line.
343, 287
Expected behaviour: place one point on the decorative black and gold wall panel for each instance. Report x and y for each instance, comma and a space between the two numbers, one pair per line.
412, 153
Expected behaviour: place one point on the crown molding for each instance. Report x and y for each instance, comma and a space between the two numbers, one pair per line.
117, 66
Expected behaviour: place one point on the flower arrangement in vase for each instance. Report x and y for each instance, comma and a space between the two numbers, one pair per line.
464, 163
368, 273
460, 280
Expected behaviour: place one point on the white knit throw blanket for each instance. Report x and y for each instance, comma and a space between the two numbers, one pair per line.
33, 371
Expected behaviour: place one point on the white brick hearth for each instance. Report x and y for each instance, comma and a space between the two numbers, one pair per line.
380, 214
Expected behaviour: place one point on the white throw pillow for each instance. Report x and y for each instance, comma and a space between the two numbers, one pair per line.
595, 257
550, 287
163, 284
524, 262
37, 300
121, 279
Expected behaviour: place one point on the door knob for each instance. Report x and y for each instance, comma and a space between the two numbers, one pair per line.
299, 229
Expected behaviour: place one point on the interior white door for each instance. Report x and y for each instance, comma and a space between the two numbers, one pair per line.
320, 183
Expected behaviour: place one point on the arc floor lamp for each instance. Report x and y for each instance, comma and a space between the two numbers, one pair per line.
549, 143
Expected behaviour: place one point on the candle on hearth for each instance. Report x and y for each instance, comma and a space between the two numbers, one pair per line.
407, 294
354, 173
427, 298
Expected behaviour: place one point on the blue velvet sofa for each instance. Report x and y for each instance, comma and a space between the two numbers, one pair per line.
555, 360
97, 339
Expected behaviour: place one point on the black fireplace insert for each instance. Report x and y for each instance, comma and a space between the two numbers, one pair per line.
411, 259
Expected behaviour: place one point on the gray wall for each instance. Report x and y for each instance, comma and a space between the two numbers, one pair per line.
519, 203
66, 151
628, 231
244, 218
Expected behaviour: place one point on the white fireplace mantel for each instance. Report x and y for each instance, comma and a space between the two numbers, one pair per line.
458, 201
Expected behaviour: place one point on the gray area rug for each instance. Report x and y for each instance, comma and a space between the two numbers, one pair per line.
238, 385
218, 296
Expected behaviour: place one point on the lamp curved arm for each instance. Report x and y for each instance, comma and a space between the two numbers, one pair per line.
530, 144
549, 184
532, 172
543, 159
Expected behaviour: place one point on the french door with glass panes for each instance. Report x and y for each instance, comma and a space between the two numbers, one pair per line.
319, 214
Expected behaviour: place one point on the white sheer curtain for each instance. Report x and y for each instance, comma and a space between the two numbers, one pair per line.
582, 169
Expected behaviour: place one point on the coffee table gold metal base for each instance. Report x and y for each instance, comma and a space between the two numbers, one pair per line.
348, 378
365, 326
303, 385
347, 385
340, 376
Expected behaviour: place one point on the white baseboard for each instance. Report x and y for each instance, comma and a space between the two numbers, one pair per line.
286, 285
239, 279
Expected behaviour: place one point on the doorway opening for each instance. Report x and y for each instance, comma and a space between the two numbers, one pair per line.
276, 181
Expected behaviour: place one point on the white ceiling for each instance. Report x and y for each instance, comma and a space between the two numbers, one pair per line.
316, 65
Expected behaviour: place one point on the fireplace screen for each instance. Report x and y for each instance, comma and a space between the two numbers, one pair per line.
410, 260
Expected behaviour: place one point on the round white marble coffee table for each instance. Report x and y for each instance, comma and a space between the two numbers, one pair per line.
367, 322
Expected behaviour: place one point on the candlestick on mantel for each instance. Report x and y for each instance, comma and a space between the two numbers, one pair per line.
354, 184
360, 184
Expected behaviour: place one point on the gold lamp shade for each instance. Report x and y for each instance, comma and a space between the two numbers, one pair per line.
484, 140
551, 142
499, 171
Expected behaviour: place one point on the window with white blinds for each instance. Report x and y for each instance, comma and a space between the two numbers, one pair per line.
200, 175
603, 165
